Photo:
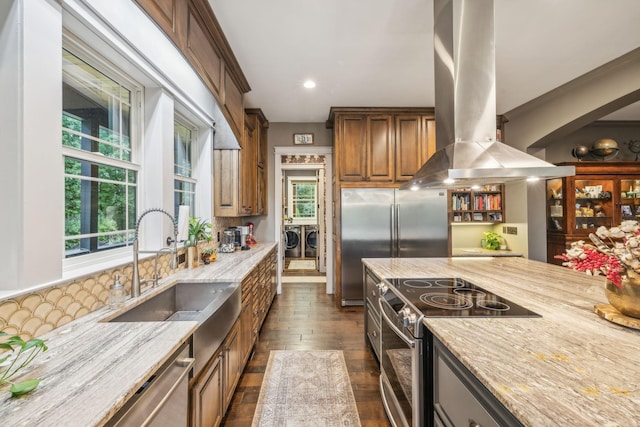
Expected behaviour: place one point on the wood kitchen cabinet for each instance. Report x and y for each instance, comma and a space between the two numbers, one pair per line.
194, 29
212, 390
415, 142
233, 366
240, 187
376, 147
381, 145
372, 319
600, 194
247, 171
207, 395
260, 142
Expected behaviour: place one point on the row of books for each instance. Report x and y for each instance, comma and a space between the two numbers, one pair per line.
481, 202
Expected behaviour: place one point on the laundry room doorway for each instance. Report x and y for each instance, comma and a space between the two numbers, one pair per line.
302, 222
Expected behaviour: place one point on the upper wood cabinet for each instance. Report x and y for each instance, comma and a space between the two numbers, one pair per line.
383, 145
247, 172
260, 141
193, 27
240, 187
415, 143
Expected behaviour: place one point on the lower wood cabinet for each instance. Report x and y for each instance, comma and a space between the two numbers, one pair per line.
206, 395
233, 365
213, 388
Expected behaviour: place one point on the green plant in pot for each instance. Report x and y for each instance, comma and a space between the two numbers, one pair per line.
19, 353
492, 240
199, 231
208, 255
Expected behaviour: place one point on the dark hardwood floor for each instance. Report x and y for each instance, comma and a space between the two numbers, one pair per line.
304, 317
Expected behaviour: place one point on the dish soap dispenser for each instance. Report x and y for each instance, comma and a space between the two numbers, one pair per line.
116, 293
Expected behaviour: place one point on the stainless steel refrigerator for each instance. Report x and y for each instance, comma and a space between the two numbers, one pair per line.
388, 223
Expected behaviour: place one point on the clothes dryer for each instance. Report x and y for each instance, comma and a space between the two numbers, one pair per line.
311, 241
292, 241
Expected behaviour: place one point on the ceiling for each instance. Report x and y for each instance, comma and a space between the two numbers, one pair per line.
380, 52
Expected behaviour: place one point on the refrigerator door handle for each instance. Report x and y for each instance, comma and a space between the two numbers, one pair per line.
392, 246
397, 226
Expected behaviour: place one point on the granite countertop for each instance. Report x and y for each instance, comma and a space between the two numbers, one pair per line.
483, 252
569, 367
92, 367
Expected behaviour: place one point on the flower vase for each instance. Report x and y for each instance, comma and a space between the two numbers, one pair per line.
190, 250
196, 256
193, 260
626, 299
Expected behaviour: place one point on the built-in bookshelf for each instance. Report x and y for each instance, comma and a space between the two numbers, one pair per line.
484, 204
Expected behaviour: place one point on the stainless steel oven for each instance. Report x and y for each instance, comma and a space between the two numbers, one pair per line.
406, 368
403, 361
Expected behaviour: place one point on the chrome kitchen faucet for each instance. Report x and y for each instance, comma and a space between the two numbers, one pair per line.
172, 249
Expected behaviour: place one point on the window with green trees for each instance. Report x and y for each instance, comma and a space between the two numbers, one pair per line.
184, 187
302, 196
100, 178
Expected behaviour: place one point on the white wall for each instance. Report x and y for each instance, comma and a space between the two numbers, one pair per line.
32, 190
31, 167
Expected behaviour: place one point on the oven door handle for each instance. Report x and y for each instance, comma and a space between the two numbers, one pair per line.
409, 342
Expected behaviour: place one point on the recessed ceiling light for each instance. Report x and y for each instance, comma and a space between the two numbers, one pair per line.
309, 84
449, 181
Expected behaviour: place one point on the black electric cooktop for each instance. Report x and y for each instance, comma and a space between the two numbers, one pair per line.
455, 297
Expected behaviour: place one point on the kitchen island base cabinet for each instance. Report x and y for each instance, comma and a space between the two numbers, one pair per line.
460, 399
371, 312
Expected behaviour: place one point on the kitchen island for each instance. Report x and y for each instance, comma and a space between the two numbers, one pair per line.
94, 366
568, 367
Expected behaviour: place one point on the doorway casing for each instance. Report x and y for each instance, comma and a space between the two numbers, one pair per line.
327, 152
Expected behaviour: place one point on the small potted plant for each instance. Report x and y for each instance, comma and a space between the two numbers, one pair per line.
199, 231
16, 354
208, 255
492, 240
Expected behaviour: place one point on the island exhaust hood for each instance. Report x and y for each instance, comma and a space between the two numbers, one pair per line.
465, 106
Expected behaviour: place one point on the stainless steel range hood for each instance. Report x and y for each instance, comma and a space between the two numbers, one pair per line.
465, 106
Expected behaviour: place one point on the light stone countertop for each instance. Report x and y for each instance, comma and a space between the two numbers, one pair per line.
568, 368
482, 252
92, 367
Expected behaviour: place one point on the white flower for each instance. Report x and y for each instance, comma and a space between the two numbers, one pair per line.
633, 242
616, 233
629, 226
602, 232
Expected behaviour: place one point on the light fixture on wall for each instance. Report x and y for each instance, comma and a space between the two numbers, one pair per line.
309, 84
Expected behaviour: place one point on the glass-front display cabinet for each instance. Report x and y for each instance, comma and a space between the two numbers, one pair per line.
600, 194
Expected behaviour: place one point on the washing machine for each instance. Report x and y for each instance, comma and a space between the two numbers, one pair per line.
311, 241
292, 241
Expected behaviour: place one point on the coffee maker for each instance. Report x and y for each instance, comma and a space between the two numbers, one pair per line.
244, 235
240, 234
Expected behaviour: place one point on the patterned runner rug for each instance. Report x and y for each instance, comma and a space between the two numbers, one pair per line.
306, 388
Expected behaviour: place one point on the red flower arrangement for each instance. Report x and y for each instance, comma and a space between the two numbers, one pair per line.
615, 252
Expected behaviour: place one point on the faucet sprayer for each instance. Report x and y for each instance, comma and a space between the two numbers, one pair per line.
173, 249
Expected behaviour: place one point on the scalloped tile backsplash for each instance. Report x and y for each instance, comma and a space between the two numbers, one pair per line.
38, 313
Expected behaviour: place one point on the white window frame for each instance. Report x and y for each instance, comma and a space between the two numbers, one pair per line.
89, 262
182, 120
290, 182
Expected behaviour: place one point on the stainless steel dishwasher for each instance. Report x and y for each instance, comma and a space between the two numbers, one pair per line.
163, 400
